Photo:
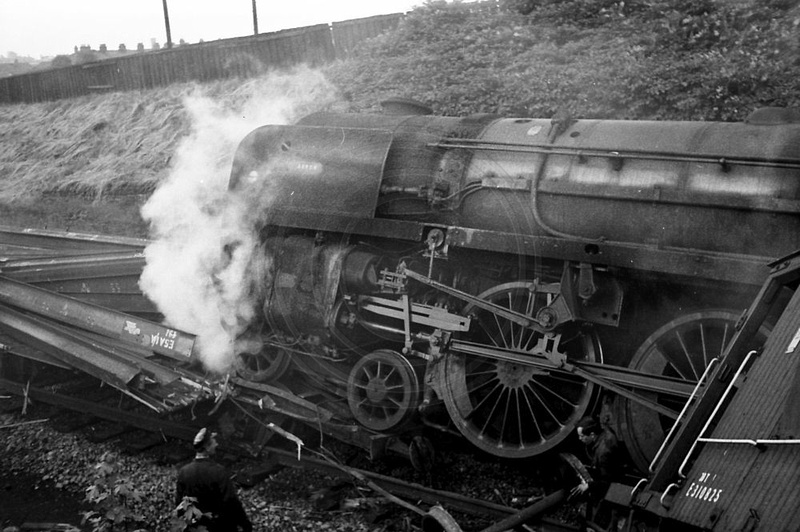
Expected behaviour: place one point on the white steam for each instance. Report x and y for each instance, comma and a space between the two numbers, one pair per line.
199, 269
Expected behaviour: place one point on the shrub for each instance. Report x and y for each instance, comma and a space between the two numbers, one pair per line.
113, 498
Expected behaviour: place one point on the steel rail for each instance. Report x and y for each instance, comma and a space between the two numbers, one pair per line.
83, 315
84, 266
42, 241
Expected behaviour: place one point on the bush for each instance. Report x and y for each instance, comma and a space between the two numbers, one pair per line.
113, 497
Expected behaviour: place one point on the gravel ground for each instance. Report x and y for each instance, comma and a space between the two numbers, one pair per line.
45, 474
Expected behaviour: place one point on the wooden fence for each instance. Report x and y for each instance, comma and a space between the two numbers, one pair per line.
238, 57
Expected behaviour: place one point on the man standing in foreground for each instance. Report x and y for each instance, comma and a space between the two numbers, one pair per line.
606, 465
210, 483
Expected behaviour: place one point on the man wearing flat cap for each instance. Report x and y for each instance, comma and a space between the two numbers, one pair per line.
210, 483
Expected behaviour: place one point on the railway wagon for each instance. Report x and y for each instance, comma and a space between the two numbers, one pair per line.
511, 274
732, 459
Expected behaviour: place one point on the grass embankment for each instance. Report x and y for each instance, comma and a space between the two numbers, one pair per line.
88, 164
65, 164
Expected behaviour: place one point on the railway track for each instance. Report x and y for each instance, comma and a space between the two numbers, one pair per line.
101, 420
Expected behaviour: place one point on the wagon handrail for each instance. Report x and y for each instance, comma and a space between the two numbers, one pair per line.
714, 413
702, 379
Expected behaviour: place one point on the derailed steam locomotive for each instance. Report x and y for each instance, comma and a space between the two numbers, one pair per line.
512, 275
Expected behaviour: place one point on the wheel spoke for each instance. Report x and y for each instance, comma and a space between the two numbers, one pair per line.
394, 401
671, 364
532, 415
724, 340
687, 355
486, 397
488, 371
509, 394
545, 406
520, 436
555, 394
528, 346
488, 334
510, 323
500, 331
392, 371
703, 343
490, 417
530, 304
471, 389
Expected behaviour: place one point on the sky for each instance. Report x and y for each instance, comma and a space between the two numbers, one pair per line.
46, 28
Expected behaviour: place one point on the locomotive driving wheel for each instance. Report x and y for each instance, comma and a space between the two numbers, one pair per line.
509, 409
682, 349
383, 390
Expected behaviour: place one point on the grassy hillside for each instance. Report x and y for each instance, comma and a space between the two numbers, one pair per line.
63, 165
643, 59
89, 164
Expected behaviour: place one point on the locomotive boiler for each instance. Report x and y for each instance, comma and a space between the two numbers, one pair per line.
504, 277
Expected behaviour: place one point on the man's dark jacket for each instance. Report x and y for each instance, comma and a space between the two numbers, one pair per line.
607, 463
211, 485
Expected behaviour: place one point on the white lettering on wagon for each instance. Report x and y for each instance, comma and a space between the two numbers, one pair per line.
702, 490
167, 341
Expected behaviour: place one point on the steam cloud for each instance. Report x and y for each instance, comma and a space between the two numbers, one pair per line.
200, 265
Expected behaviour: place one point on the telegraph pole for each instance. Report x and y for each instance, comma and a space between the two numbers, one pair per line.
255, 18
166, 23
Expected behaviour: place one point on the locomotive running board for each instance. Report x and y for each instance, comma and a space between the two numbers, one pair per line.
692, 263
